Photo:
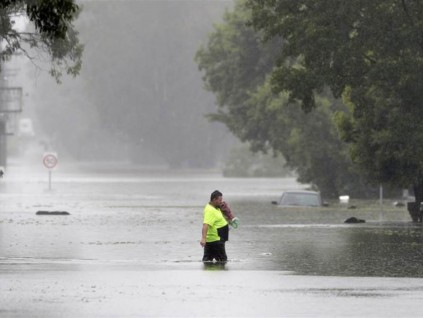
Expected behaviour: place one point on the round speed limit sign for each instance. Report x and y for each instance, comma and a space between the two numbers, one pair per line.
50, 160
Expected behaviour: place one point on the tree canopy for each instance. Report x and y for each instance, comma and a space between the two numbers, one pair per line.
52, 34
237, 65
371, 54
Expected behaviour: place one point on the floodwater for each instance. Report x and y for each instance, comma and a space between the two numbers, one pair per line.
130, 248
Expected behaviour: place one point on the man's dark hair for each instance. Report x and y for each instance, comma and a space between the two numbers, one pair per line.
215, 194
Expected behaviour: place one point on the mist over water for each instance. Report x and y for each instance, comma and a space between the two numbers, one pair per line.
139, 97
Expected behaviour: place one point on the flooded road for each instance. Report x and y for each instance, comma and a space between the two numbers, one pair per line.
130, 247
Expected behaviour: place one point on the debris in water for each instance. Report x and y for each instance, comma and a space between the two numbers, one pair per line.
52, 213
354, 220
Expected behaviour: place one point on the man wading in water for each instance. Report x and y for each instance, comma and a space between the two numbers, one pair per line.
215, 231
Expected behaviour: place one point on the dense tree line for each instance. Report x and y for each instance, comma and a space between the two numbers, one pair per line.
370, 54
238, 67
353, 67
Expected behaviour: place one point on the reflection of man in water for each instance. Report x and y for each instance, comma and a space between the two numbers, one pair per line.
215, 230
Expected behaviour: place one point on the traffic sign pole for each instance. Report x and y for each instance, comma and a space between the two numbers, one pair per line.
50, 161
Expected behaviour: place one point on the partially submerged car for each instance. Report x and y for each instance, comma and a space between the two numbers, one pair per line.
299, 198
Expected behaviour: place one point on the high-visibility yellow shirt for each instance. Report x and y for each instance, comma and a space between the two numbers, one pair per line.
214, 219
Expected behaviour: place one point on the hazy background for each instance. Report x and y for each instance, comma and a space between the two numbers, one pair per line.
139, 97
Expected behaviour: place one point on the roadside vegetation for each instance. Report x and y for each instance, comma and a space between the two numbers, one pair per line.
332, 86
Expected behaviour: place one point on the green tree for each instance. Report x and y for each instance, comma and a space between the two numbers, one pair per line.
237, 65
53, 33
369, 52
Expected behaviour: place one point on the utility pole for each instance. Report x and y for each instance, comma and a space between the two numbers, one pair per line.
10, 106
3, 119
3, 142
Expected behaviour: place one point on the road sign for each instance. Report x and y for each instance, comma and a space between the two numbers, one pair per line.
50, 160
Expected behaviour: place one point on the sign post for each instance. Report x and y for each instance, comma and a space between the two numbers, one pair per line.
50, 161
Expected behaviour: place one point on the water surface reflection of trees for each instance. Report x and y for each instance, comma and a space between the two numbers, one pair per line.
384, 251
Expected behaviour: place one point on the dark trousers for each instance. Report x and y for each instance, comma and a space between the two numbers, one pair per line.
215, 250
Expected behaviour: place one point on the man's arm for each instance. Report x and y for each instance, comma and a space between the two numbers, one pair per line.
204, 234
